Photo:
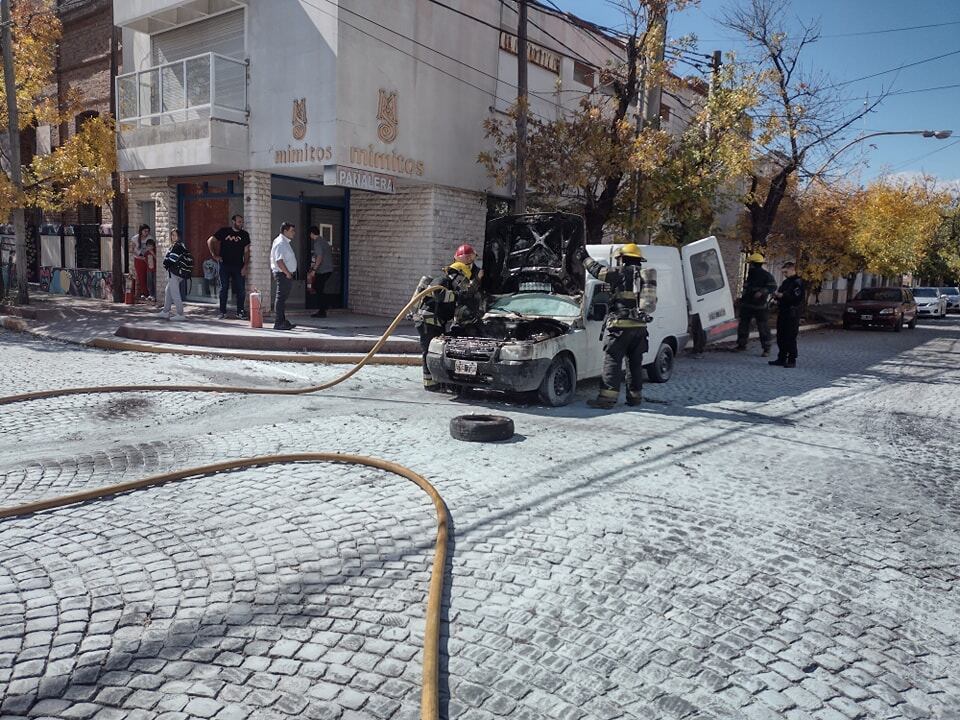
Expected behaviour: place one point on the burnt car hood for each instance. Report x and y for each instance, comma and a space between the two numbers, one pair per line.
536, 248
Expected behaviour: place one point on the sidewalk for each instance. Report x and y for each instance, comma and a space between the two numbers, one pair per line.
341, 337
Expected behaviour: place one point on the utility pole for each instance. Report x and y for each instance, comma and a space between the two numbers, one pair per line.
520, 179
716, 62
658, 23
648, 99
13, 134
116, 206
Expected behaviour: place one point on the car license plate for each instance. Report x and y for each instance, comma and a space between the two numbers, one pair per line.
464, 367
866, 317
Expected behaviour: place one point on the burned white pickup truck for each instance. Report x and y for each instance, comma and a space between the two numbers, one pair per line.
543, 325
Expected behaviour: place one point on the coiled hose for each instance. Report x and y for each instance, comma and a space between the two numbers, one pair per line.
429, 696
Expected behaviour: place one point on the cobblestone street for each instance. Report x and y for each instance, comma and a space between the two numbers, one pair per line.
752, 542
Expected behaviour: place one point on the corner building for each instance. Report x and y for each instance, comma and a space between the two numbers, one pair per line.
312, 112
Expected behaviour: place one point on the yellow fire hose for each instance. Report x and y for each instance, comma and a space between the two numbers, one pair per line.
429, 696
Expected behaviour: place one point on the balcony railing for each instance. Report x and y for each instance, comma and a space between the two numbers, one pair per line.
198, 87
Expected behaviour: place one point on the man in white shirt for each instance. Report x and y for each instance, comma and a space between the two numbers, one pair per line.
283, 264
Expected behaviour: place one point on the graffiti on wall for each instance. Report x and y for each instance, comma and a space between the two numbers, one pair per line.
77, 282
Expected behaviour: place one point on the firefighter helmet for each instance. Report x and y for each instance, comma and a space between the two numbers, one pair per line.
631, 250
755, 257
464, 250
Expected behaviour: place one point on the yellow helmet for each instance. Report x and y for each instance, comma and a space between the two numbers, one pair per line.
631, 250
755, 257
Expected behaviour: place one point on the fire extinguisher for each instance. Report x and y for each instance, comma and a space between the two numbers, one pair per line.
128, 288
256, 312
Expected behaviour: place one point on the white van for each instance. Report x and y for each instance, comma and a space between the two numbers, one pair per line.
542, 330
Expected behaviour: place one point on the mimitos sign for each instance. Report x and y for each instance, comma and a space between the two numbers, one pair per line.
302, 152
371, 157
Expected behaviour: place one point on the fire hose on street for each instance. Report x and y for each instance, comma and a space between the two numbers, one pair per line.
429, 703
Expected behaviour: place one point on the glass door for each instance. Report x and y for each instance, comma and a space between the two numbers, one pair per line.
330, 223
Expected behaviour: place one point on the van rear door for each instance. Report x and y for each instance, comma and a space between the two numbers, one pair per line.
709, 295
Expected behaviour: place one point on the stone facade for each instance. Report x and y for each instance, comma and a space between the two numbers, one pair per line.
396, 239
259, 223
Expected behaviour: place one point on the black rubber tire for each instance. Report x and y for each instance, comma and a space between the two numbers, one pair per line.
481, 428
899, 326
559, 384
661, 369
913, 323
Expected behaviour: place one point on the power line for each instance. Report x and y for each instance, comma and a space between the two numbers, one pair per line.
924, 157
922, 90
895, 69
892, 30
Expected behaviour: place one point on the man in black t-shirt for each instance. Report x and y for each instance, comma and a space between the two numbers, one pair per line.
230, 246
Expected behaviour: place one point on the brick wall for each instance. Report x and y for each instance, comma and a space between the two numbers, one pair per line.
164, 197
258, 222
396, 239
84, 69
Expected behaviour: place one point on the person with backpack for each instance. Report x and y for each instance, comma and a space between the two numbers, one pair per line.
179, 264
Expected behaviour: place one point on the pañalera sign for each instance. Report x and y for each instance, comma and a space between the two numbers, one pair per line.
358, 179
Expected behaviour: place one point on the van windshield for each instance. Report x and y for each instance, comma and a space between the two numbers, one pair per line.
537, 304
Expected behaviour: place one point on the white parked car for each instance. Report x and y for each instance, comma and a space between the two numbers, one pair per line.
542, 330
930, 301
953, 298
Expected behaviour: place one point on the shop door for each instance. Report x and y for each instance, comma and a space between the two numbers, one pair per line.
330, 224
202, 218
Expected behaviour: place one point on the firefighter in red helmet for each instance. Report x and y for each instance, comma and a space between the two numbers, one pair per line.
459, 305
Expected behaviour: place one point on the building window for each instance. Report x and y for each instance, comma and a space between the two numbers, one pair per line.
664, 113
582, 73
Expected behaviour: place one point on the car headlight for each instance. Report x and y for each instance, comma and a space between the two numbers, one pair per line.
851, 310
436, 346
887, 311
517, 351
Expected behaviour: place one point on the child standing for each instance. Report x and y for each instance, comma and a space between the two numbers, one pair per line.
179, 264
150, 254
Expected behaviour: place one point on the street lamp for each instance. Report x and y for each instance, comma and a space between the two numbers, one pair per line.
937, 134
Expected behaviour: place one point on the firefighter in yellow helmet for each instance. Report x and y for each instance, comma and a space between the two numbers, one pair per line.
625, 325
757, 289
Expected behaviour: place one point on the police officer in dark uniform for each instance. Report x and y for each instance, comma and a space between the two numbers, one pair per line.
789, 297
625, 325
753, 304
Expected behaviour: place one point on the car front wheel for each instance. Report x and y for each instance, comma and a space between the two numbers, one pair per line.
559, 383
899, 324
913, 323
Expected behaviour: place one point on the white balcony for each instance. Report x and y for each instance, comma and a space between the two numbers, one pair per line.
190, 114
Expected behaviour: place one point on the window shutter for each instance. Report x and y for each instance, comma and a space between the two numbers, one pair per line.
221, 34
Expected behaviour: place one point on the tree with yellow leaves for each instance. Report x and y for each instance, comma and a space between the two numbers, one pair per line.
895, 223
815, 228
77, 171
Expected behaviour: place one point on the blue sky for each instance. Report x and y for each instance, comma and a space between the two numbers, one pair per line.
844, 57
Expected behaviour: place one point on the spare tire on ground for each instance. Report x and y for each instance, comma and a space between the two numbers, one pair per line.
481, 428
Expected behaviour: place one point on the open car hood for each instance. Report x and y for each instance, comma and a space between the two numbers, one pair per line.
536, 252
